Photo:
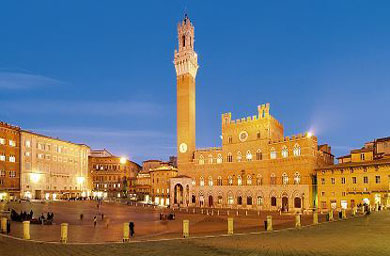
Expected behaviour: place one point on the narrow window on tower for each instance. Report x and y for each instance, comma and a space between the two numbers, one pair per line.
184, 40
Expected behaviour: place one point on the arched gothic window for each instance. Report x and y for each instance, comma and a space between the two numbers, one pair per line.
273, 179
219, 181
284, 152
219, 159
248, 156
210, 159
201, 159
239, 180
284, 179
273, 153
249, 180
210, 181
297, 178
259, 155
297, 150
230, 157
230, 181
201, 181
239, 157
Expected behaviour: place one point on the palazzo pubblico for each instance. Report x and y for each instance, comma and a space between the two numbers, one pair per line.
257, 166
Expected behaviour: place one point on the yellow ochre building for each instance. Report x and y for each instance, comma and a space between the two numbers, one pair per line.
362, 177
257, 166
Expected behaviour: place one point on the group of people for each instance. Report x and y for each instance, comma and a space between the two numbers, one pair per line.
170, 216
24, 216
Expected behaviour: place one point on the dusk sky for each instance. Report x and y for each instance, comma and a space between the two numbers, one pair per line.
101, 72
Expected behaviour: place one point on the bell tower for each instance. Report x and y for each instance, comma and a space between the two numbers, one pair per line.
186, 65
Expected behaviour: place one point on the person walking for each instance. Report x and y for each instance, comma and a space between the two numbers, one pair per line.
94, 221
107, 220
131, 226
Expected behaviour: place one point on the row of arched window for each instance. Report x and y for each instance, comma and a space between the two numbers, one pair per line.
249, 156
248, 181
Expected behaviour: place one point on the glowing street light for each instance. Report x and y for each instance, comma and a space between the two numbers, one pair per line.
123, 160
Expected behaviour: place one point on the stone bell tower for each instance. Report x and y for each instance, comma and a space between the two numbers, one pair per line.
186, 65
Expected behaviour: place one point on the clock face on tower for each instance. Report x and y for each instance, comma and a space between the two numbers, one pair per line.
183, 148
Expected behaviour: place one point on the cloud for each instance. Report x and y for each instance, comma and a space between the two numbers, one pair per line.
71, 107
17, 81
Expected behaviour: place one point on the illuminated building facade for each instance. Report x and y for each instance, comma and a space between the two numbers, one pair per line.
256, 167
361, 177
52, 168
9, 161
112, 176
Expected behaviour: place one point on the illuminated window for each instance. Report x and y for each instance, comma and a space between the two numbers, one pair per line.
219, 159
201, 159
193, 182
248, 156
284, 152
239, 180
210, 181
2, 141
230, 180
249, 180
230, 199
297, 150
210, 159
259, 200
284, 178
12, 143
201, 182
297, 178
273, 153
12, 159
239, 157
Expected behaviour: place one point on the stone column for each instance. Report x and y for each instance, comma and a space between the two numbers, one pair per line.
230, 226
331, 215
343, 214
126, 232
315, 217
298, 220
269, 223
354, 211
26, 230
64, 233
4, 225
186, 228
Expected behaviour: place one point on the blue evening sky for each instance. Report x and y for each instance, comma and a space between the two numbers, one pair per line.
101, 72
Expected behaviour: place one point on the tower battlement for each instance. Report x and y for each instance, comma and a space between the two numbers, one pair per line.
263, 113
294, 137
